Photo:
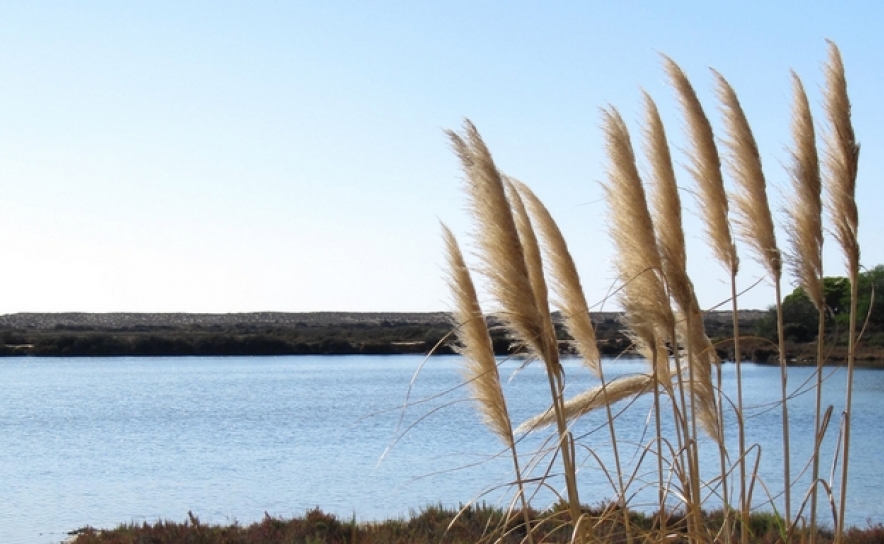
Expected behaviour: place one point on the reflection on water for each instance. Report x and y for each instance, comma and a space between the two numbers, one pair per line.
105, 441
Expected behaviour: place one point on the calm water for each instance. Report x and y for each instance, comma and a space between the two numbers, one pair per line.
111, 440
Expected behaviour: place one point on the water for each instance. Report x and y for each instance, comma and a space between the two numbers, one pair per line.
110, 440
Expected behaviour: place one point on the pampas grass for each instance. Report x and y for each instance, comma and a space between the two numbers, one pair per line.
806, 239
756, 228
593, 399
515, 276
842, 160
643, 296
565, 281
480, 366
503, 258
705, 167
806, 208
526, 263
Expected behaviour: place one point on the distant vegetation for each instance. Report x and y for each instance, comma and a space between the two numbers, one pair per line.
93, 335
800, 315
342, 333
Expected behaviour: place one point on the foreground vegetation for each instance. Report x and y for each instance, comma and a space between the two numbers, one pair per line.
436, 525
525, 266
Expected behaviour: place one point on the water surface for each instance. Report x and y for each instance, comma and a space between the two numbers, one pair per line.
100, 441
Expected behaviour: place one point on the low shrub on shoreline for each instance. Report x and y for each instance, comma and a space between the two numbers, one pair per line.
436, 524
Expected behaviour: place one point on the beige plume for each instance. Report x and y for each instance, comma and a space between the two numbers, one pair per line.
565, 281
474, 344
593, 399
705, 167
500, 248
670, 241
842, 161
643, 296
753, 217
805, 210
534, 263
667, 207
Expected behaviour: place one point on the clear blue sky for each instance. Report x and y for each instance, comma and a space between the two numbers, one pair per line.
290, 156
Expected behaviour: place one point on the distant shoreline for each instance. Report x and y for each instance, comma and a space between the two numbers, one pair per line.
74, 334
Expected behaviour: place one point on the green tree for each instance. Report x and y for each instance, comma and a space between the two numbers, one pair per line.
871, 297
800, 315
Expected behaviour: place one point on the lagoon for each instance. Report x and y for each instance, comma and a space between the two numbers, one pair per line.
101, 441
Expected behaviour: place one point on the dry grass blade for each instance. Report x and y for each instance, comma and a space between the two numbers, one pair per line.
805, 210
503, 258
705, 167
842, 160
564, 280
753, 217
474, 344
593, 399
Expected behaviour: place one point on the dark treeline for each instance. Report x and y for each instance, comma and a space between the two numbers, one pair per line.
270, 334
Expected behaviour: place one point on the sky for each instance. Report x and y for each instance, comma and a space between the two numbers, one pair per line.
291, 156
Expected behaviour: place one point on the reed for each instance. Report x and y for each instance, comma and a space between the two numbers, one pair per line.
524, 258
755, 226
806, 258
842, 161
480, 366
705, 167
515, 277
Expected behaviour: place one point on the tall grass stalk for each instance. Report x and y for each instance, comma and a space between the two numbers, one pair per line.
671, 245
806, 257
520, 246
842, 160
575, 310
480, 366
644, 298
755, 225
705, 167
514, 280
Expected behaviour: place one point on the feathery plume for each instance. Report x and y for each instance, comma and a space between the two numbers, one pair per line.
667, 207
565, 281
705, 167
644, 299
593, 399
533, 258
670, 242
474, 344
805, 210
753, 217
501, 251
842, 161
